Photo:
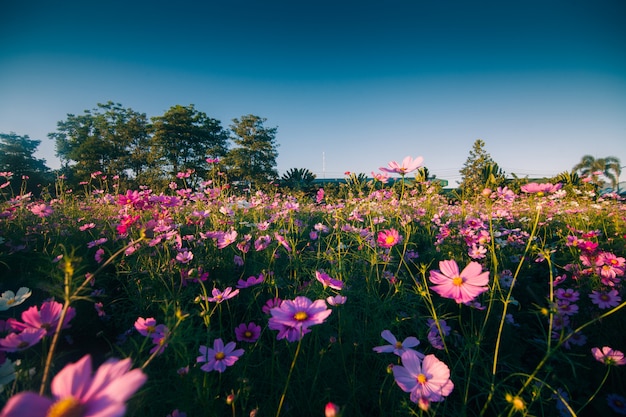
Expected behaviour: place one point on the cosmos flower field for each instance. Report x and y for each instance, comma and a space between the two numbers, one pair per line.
366, 299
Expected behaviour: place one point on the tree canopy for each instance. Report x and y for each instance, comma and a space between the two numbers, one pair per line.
17, 156
253, 160
596, 168
479, 170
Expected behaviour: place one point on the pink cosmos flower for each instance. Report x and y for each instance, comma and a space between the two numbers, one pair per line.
461, 287
219, 296
540, 189
292, 318
336, 300
408, 164
226, 239
281, 239
608, 356
15, 342
388, 238
146, 327
327, 281
220, 357
397, 347
427, 380
46, 318
248, 332
42, 210
76, 392
605, 299
184, 257
250, 281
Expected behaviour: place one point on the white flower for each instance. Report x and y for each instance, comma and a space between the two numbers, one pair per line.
7, 373
10, 299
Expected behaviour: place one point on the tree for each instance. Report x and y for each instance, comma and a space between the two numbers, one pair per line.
17, 156
185, 137
110, 139
593, 168
478, 167
254, 158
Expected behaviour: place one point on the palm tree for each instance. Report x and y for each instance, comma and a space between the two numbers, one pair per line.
297, 178
608, 167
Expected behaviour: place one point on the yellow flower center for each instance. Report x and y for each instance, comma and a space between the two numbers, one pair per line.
540, 194
150, 329
247, 334
300, 316
398, 345
389, 239
66, 407
421, 378
458, 281
219, 356
11, 301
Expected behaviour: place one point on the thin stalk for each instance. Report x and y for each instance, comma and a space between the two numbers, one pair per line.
293, 365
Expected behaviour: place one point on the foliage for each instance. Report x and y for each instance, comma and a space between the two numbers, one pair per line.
478, 168
204, 261
183, 138
17, 157
253, 159
298, 179
110, 139
596, 168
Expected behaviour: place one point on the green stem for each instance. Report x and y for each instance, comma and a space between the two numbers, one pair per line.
606, 375
293, 365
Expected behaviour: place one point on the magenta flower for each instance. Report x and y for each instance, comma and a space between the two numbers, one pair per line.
219, 296
292, 318
427, 381
28, 337
396, 346
461, 287
76, 392
608, 356
408, 164
145, 327
262, 243
605, 299
270, 304
220, 357
388, 238
327, 281
248, 332
46, 318
250, 281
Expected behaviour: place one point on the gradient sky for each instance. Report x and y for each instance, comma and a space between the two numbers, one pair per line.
350, 85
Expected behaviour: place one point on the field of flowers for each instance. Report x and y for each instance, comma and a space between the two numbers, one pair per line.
364, 300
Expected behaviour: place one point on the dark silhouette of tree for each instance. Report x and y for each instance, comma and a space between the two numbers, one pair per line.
298, 179
17, 157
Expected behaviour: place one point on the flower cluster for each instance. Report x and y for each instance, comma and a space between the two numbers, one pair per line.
158, 333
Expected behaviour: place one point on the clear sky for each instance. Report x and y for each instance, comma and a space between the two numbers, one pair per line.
350, 85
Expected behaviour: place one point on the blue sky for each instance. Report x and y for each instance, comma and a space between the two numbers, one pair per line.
350, 85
